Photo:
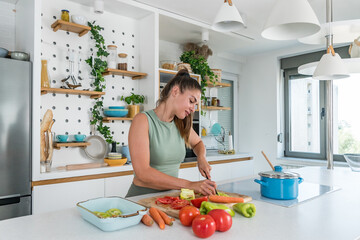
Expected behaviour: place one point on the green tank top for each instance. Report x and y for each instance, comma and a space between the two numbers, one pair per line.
167, 150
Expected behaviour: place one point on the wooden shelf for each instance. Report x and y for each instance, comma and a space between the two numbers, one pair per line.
59, 145
134, 75
70, 27
109, 119
209, 108
92, 94
218, 84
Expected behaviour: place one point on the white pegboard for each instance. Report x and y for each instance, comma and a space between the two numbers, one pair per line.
72, 112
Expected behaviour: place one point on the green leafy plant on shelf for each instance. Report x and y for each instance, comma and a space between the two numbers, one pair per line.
98, 67
199, 65
133, 99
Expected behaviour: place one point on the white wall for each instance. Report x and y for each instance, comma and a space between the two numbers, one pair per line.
7, 26
260, 106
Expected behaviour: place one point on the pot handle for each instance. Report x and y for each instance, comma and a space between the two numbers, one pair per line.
300, 180
261, 182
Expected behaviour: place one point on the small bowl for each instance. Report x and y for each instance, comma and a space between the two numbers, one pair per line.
131, 212
115, 162
354, 161
3, 52
116, 107
116, 112
22, 56
78, 19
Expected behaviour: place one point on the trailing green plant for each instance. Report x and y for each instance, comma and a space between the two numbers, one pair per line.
133, 99
199, 65
98, 67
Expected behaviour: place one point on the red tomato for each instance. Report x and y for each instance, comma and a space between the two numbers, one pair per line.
187, 214
222, 219
166, 200
203, 226
179, 204
197, 201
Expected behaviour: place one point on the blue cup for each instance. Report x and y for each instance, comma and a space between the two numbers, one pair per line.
126, 153
61, 138
79, 137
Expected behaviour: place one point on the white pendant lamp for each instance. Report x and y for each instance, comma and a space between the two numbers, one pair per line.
228, 18
291, 19
331, 67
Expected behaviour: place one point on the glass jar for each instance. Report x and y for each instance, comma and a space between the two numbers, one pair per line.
65, 15
112, 58
122, 61
214, 101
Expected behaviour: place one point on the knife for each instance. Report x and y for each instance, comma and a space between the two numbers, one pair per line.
208, 179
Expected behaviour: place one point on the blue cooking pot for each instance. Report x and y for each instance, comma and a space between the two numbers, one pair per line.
279, 185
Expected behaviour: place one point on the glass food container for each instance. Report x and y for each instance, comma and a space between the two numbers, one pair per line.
122, 65
65, 15
112, 58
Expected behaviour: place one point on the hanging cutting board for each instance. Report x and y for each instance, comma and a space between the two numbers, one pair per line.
150, 202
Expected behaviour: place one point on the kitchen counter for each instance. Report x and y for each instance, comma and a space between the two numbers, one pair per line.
126, 169
332, 216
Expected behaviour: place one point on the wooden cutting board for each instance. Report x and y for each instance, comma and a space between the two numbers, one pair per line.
150, 202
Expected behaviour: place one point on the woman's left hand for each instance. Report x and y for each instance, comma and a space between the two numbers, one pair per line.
204, 167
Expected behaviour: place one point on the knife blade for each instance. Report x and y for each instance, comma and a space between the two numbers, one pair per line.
208, 179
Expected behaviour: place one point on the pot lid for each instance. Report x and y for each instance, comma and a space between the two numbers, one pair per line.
278, 173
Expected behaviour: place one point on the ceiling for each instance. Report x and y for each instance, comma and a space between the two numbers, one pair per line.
245, 41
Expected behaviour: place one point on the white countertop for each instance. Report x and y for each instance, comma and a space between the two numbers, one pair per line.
211, 156
332, 216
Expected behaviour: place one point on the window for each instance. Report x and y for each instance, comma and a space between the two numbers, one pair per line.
305, 116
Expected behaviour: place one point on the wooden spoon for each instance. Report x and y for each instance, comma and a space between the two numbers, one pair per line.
268, 160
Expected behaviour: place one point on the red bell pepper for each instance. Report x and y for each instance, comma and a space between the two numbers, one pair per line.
197, 201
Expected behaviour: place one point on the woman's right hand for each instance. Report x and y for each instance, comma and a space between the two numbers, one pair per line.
205, 187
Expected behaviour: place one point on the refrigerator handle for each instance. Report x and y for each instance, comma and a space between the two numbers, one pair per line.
7, 200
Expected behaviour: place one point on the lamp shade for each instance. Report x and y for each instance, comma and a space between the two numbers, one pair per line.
352, 64
291, 19
330, 68
227, 19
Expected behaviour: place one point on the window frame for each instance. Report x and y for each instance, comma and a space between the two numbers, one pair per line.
287, 111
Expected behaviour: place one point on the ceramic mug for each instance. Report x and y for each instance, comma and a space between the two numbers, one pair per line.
61, 138
126, 153
79, 137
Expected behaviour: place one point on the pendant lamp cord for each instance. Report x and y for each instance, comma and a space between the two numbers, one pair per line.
229, 1
330, 48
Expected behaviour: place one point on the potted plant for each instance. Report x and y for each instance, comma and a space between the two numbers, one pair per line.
133, 100
199, 65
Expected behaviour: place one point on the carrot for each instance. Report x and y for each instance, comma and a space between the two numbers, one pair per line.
172, 219
147, 220
165, 217
157, 218
224, 199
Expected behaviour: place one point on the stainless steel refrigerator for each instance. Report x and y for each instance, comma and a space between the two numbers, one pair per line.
15, 138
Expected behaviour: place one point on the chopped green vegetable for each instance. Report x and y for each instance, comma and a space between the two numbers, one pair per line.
114, 212
187, 194
246, 209
206, 207
222, 194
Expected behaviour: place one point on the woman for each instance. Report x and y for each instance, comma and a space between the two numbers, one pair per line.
157, 140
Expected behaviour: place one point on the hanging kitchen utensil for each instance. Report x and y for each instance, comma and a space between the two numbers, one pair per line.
71, 76
268, 161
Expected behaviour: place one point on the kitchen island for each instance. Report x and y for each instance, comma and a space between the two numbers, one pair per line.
332, 216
